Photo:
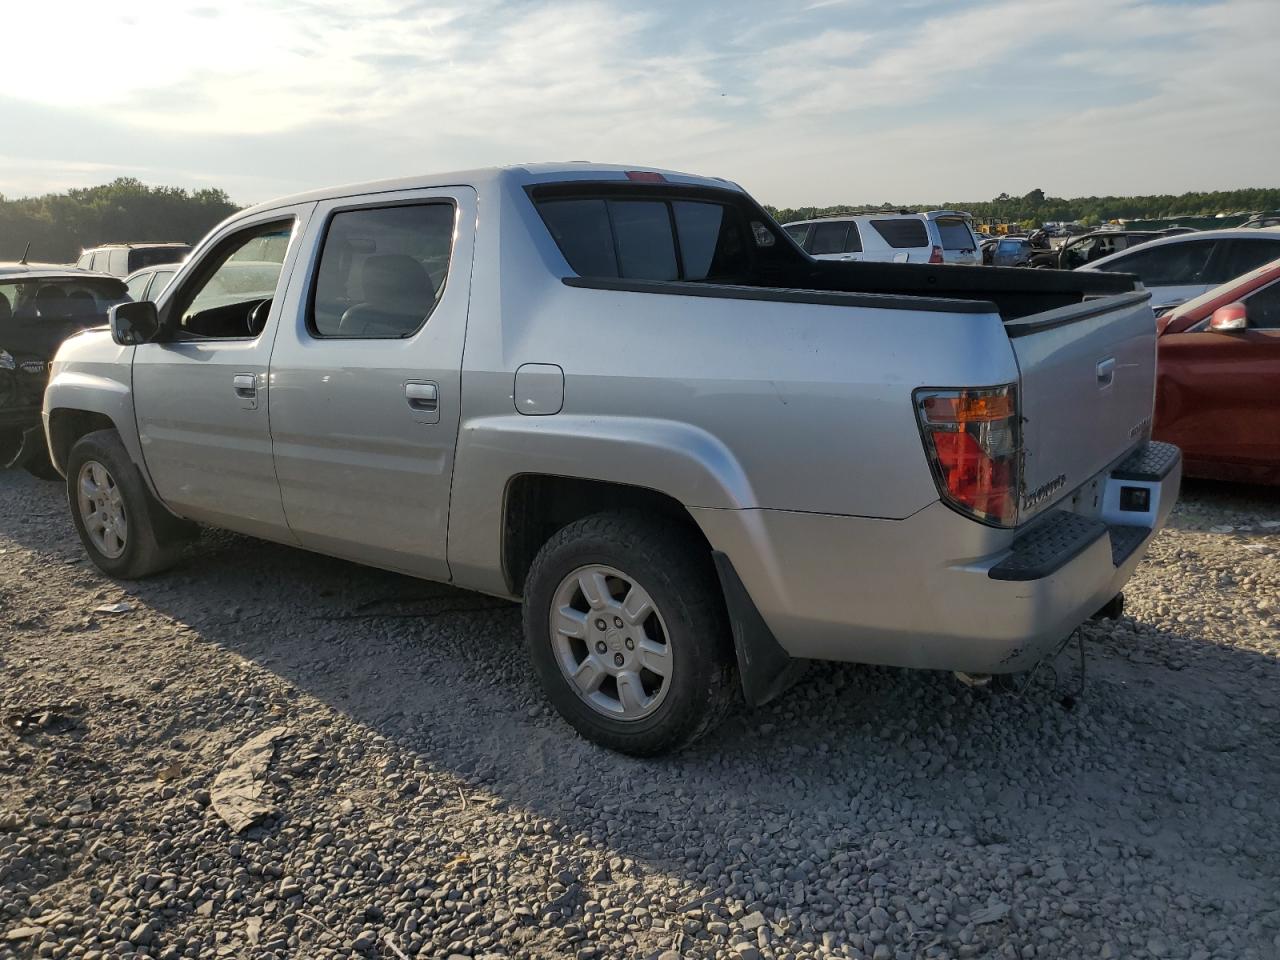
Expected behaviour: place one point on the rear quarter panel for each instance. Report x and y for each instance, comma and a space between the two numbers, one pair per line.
721, 403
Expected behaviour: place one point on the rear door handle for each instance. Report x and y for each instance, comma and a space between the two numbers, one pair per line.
1106, 371
423, 397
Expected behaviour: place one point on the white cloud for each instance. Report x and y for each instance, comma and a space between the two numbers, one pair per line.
836, 101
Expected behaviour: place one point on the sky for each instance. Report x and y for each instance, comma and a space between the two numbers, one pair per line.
805, 103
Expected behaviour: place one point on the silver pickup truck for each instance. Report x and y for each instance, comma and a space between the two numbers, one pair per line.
626, 398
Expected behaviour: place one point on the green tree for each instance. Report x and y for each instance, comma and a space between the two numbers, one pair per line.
59, 225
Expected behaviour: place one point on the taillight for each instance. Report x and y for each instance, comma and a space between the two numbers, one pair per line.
972, 440
935, 255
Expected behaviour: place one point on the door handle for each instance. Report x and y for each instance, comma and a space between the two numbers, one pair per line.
1106, 371
245, 385
422, 396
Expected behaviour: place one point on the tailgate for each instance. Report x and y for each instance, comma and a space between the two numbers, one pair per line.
1087, 388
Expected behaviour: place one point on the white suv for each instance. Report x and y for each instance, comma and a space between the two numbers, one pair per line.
937, 236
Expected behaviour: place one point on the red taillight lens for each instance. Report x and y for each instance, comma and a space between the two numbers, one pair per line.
935, 255
971, 438
646, 176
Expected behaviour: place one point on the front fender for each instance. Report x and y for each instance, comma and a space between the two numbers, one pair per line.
677, 459
105, 393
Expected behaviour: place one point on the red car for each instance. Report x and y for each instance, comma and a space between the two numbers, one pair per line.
1218, 380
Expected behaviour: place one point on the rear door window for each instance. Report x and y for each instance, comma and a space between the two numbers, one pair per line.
902, 233
119, 262
828, 238
1241, 256
853, 242
99, 262
381, 270
954, 233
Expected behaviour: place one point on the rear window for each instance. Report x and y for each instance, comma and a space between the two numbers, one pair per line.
648, 239
148, 257
954, 233
902, 232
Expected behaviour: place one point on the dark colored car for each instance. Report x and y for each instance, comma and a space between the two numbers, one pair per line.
40, 306
122, 259
1218, 379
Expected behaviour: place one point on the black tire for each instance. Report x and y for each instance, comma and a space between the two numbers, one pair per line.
154, 537
675, 569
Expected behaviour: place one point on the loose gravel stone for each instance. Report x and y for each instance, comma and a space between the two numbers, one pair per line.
425, 797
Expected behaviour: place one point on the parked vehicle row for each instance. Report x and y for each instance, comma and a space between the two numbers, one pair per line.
936, 236
1179, 267
614, 398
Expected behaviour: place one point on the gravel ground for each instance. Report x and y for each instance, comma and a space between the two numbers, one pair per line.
426, 803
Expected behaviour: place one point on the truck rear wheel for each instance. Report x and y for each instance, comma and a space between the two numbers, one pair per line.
627, 630
125, 531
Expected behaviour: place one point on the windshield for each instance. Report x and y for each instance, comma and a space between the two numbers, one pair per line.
36, 315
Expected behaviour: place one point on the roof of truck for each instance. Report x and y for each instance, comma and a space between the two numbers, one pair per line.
522, 174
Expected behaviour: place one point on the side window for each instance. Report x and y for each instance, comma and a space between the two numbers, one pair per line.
902, 233
230, 294
1169, 265
799, 233
84, 261
853, 242
138, 286
954, 233
381, 271
829, 237
1263, 307
99, 261
118, 263
1243, 256
162, 278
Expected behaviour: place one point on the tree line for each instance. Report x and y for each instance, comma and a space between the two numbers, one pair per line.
1035, 207
59, 225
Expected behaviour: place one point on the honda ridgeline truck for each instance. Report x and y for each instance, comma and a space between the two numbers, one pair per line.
627, 399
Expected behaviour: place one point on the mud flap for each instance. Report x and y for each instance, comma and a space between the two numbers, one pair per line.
766, 670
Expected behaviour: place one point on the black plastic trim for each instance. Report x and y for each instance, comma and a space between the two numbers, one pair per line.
764, 668
1125, 540
1151, 462
724, 291
1049, 547
1038, 323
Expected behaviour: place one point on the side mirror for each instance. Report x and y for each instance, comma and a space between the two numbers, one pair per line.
134, 323
1230, 318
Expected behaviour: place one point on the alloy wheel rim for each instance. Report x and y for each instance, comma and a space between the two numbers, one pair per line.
102, 509
611, 643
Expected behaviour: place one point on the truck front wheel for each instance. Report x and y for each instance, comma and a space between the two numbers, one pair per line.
126, 533
627, 630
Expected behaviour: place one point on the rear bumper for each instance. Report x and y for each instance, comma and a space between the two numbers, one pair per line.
938, 591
